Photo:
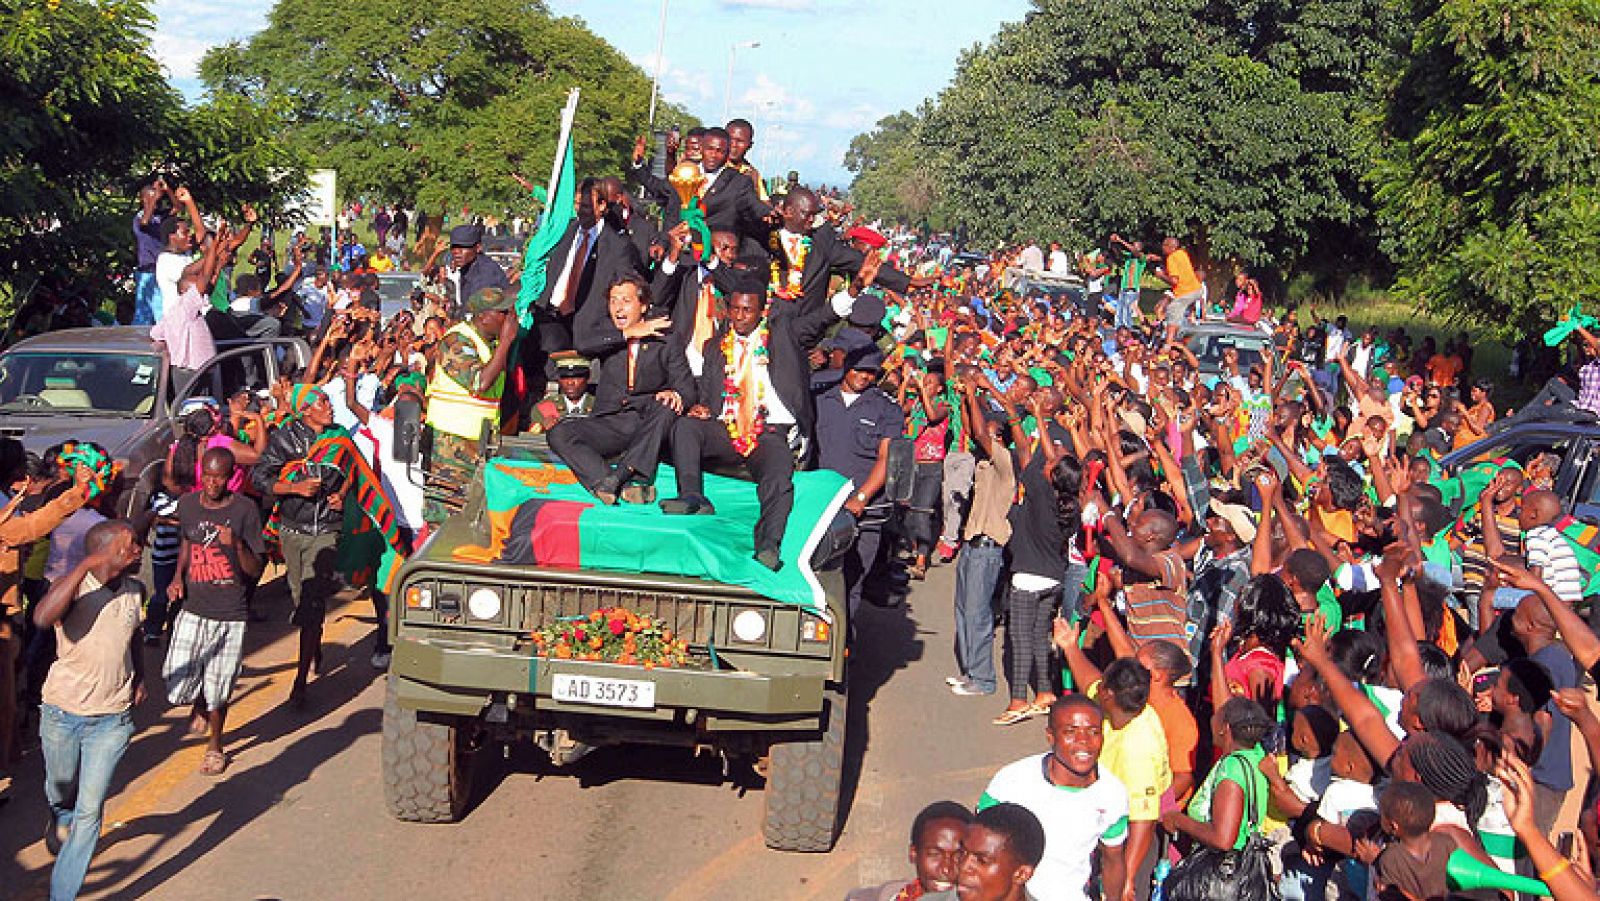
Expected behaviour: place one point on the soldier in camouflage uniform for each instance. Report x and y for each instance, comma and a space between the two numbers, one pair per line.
460, 404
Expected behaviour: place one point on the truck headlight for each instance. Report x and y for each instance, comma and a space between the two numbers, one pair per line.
484, 603
750, 626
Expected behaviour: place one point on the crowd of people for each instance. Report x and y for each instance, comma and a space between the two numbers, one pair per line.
1266, 631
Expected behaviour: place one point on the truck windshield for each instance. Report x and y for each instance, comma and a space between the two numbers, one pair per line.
78, 383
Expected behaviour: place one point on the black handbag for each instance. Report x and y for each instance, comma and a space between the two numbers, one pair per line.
1241, 874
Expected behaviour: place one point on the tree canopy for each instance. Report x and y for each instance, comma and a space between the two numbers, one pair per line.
437, 103
1488, 180
85, 114
1234, 122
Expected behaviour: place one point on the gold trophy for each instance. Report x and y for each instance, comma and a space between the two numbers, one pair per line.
687, 179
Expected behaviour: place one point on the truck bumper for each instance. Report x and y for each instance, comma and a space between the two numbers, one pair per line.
463, 681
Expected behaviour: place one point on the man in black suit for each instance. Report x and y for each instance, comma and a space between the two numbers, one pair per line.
642, 385
587, 259
683, 285
767, 364
728, 196
820, 254
647, 240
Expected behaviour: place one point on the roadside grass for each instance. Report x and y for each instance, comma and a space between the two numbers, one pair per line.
1491, 358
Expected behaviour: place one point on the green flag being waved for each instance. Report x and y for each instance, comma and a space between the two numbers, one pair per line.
558, 214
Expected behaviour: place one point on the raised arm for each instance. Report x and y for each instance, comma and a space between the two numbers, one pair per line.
1358, 710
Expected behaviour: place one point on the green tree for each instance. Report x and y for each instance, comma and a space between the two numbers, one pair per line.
85, 113
1489, 180
893, 180
437, 103
1235, 123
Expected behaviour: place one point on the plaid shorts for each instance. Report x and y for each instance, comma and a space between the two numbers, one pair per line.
204, 656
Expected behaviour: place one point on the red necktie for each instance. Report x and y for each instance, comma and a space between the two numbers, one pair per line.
575, 275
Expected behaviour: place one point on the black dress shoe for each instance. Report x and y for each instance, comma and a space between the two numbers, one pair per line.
606, 490
687, 505
768, 557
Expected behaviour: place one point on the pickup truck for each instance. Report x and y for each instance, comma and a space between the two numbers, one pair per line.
467, 674
115, 387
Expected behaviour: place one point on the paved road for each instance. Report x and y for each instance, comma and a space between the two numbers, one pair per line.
299, 814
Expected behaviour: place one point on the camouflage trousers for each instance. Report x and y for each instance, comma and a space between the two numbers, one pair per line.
452, 461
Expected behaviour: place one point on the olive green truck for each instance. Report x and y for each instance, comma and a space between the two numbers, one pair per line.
467, 676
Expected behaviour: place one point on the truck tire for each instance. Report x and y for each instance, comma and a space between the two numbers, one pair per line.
427, 767
802, 797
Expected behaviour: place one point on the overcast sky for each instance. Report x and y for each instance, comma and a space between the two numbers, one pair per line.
825, 70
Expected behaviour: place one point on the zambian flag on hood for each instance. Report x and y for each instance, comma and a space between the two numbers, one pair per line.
540, 516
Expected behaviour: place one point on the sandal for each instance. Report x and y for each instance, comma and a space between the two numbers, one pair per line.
213, 763
1012, 717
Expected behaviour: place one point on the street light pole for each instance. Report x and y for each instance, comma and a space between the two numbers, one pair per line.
655, 83
727, 90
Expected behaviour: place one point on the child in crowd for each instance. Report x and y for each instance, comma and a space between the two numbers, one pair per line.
1412, 866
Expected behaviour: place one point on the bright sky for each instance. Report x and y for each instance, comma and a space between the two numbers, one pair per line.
825, 70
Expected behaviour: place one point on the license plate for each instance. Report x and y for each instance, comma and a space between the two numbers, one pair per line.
574, 689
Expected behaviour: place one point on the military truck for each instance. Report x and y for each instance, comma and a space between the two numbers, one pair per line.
466, 675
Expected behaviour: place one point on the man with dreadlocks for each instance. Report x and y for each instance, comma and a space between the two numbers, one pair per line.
309, 510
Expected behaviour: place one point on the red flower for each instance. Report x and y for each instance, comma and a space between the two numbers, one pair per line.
618, 627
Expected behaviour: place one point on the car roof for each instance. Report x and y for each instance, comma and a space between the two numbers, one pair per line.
121, 339
1562, 428
1222, 328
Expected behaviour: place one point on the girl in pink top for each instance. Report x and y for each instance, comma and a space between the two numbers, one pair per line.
202, 431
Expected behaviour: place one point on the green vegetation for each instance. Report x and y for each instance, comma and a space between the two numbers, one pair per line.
437, 104
1444, 147
88, 114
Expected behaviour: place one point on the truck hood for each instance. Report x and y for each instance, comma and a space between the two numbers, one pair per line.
118, 436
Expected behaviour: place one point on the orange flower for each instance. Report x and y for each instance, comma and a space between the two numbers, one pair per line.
666, 635
596, 642
597, 616
562, 651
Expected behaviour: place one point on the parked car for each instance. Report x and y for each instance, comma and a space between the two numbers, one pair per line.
1576, 444
114, 387
1208, 340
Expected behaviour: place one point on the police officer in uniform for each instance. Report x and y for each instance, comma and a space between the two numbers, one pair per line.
460, 403
855, 422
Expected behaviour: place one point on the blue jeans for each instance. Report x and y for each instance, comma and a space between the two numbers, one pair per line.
977, 573
159, 614
1127, 302
1072, 589
80, 754
146, 299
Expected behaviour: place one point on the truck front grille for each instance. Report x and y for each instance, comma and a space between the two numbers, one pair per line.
542, 605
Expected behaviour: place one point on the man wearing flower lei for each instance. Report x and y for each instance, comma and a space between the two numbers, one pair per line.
804, 258
753, 397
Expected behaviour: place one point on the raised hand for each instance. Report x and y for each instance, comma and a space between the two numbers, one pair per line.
648, 328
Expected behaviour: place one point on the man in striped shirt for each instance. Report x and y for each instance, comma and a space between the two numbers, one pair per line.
1549, 555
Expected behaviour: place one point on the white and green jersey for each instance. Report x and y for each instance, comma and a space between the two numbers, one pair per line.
1076, 821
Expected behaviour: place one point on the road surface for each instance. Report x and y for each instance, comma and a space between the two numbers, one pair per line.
299, 814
